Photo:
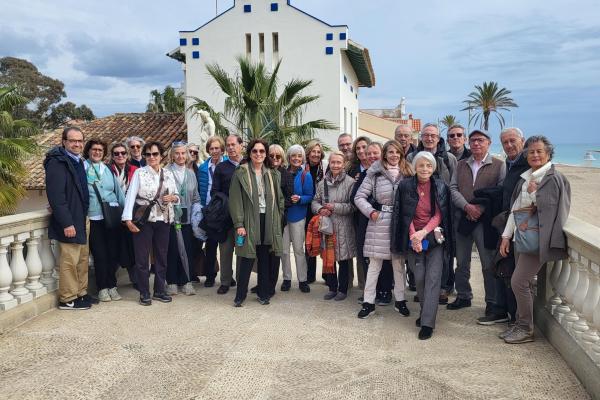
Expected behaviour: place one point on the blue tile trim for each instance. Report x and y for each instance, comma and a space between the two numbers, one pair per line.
195, 41
329, 36
182, 41
328, 50
247, 8
343, 36
195, 54
345, 79
274, 7
352, 89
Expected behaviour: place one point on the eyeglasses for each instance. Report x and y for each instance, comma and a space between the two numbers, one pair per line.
119, 153
96, 149
258, 151
476, 140
155, 154
429, 135
135, 146
179, 143
193, 152
455, 135
75, 141
275, 156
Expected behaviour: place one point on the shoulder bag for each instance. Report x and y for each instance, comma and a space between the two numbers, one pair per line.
141, 212
111, 212
527, 234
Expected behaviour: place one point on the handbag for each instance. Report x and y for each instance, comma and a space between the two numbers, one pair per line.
110, 211
141, 212
325, 223
527, 234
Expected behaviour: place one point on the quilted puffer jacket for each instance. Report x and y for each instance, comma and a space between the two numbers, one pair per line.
377, 239
339, 190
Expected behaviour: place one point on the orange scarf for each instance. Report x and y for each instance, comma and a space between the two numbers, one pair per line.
317, 243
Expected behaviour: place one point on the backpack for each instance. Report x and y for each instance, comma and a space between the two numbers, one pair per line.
216, 221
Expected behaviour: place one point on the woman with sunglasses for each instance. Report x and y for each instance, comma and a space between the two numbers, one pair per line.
256, 208
103, 241
135, 144
148, 183
193, 163
179, 275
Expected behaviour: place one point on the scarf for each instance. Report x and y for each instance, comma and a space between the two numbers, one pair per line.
319, 244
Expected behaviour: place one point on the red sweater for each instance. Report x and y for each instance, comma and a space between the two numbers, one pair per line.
423, 218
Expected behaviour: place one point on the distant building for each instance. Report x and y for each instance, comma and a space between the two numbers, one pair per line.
269, 31
396, 116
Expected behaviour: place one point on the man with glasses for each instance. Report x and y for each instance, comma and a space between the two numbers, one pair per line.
456, 142
221, 182
479, 171
135, 144
68, 197
344, 143
403, 135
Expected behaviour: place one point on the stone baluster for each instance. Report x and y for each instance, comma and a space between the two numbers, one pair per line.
592, 337
571, 316
56, 251
47, 264
7, 301
563, 282
34, 265
581, 326
19, 269
555, 300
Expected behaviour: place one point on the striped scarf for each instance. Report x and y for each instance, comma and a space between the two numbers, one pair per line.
319, 244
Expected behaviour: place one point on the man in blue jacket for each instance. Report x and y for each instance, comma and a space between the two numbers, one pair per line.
68, 196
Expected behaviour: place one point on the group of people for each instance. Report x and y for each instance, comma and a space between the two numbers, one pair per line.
405, 211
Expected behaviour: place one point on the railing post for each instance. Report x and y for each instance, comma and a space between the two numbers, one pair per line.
47, 264
563, 281
34, 265
571, 316
19, 269
591, 337
7, 301
581, 325
555, 300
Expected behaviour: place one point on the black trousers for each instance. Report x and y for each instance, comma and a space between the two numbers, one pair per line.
176, 274
153, 236
385, 282
274, 262
263, 255
104, 246
210, 249
339, 281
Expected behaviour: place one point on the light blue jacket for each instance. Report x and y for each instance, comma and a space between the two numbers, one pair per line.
107, 185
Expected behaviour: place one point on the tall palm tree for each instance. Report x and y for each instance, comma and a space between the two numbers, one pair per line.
448, 121
488, 99
169, 100
16, 143
254, 107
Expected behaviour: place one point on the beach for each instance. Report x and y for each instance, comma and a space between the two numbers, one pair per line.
585, 192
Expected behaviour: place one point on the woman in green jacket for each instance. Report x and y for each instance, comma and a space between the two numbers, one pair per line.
256, 209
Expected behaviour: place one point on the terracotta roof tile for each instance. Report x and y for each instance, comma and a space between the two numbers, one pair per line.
162, 127
416, 123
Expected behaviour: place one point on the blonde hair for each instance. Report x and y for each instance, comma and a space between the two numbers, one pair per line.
278, 149
404, 166
336, 153
311, 145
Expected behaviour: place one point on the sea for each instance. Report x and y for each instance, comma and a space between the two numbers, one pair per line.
569, 154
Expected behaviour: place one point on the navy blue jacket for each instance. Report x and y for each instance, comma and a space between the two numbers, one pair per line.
68, 199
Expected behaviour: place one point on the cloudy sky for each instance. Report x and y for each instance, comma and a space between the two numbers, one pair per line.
110, 54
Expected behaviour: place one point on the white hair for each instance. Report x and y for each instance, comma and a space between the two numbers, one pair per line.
135, 139
426, 155
512, 129
296, 149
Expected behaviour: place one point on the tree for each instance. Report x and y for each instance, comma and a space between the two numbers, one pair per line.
65, 112
40, 90
16, 143
488, 99
217, 117
448, 121
254, 107
169, 100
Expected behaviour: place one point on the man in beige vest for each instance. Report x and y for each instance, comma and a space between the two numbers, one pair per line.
478, 171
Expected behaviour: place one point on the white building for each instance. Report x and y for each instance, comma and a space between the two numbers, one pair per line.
267, 31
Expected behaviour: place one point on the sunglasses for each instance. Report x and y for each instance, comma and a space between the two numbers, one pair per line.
258, 151
155, 154
455, 135
119, 153
194, 152
135, 146
275, 156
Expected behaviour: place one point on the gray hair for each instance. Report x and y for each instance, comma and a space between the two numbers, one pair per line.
428, 125
296, 149
426, 155
135, 139
540, 138
511, 129
456, 126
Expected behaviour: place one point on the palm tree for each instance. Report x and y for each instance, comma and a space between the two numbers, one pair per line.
16, 143
448, 121
254, 107
169, 100
488, 99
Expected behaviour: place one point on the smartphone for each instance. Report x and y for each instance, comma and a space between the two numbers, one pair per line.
239, 240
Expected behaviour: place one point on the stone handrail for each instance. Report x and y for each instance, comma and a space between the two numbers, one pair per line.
27, 262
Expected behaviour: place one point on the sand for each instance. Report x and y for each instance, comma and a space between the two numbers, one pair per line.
585, 192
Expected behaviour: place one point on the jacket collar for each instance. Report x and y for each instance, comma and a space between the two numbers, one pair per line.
486, 160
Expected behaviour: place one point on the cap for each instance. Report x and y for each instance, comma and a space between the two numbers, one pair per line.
481, 132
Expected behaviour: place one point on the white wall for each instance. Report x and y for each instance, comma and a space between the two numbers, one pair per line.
33, 201
348, 96
302, 43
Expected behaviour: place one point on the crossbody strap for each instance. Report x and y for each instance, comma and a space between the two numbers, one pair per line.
325, 191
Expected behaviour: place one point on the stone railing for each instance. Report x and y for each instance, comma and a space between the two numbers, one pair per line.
27, 261
568, 303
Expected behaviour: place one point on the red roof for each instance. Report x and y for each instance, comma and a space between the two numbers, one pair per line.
415, 123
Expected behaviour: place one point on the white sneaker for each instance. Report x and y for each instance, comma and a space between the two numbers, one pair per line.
103, 295
188, 289
171, 290
114, 295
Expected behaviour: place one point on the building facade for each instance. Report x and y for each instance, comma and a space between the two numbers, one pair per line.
268, 31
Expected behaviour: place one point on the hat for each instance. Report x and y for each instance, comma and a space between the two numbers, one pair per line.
481, 132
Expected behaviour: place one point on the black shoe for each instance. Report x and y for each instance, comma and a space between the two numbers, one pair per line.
263, 302
209, 282
90, 299
223, 289
304, 288
311, 281
361, 300
400, 306
367, 309
418, 322
385, 298
237, 303
458, 304
412, 288
254, 289
162, 297
285, 286
443, 300
416, 299
425, 333
377, 297
76, 304
145, 300
233, 283
492, 319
